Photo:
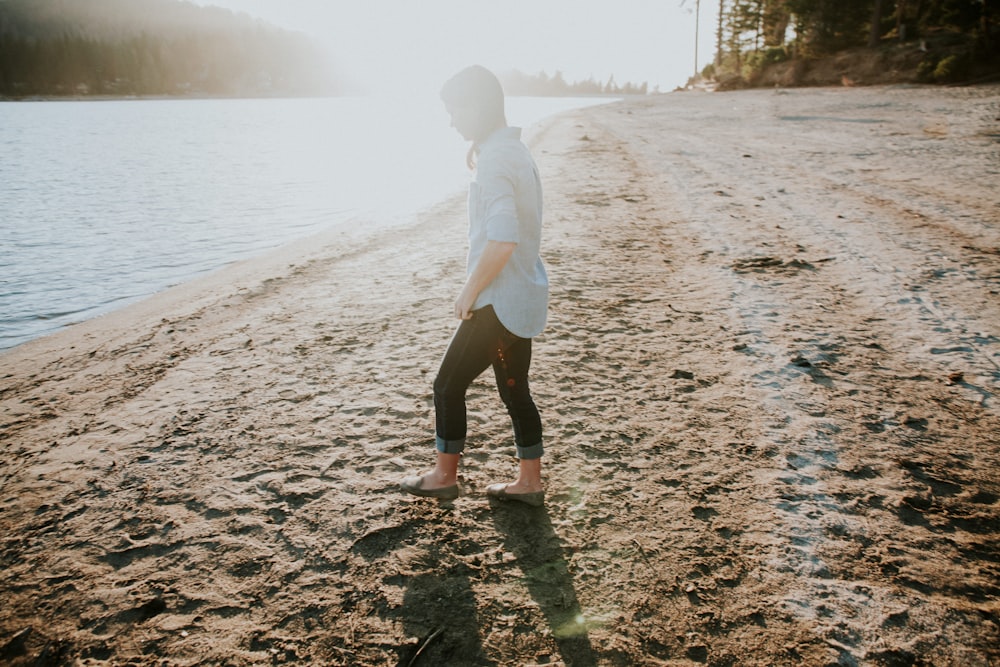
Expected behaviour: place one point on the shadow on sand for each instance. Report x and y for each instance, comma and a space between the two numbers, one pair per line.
528, 534
440, 607
442, 612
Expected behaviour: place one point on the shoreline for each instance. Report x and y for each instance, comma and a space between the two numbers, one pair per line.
46, 298
769, 386
147, 98
240, 272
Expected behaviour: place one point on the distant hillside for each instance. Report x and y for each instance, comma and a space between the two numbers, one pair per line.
542, 85
926, 62
151, 47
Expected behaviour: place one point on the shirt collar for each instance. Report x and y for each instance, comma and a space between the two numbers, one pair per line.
504, 133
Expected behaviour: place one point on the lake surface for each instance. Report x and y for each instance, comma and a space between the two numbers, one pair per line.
106, 202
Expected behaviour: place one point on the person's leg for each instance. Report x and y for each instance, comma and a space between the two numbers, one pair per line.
471, 351
511, 371
445, 471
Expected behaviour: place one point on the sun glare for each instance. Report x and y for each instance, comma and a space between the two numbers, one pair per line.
408, 46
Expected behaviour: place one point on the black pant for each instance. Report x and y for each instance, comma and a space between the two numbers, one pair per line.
480, 342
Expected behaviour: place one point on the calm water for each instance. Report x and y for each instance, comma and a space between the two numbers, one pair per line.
103, 203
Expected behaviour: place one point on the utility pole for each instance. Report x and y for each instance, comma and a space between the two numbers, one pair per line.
697, 16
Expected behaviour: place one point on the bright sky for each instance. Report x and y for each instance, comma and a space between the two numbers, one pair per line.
413, 44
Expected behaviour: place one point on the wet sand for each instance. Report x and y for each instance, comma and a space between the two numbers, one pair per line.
769, 387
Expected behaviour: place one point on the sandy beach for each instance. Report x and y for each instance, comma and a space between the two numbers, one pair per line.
769, 387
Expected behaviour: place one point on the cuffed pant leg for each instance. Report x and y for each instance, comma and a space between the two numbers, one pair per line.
532, 452
473, 348
511, 372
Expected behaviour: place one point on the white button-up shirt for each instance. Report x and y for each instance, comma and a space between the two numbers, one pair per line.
505, 204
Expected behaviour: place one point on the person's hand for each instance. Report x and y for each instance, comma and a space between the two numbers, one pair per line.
464, 304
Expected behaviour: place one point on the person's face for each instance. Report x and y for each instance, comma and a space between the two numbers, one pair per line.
465, 119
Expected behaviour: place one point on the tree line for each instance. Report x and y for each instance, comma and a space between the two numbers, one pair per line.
754, 33
543, 85
150, 47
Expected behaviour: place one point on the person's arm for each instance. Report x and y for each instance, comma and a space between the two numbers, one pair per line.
491, 262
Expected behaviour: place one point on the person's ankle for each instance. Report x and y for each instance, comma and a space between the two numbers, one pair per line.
528, 486
440, 478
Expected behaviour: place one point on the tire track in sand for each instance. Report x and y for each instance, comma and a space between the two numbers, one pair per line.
849, 336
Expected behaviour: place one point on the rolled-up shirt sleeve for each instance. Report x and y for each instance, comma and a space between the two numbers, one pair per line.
496, 189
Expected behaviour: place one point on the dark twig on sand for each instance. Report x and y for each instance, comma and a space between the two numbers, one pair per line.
424, 646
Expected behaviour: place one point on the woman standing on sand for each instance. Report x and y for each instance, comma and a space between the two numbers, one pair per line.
505, 298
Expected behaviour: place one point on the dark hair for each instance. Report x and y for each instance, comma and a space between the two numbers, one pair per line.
477, 87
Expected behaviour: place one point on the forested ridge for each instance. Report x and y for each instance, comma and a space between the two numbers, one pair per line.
172, 47
860, 41
541, 84
151, 47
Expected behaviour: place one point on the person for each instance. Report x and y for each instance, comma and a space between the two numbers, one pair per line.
504, 302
